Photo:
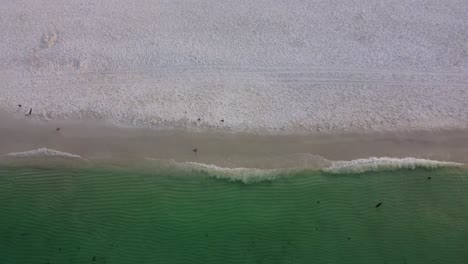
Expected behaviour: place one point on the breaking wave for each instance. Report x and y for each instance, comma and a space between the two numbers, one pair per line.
245, 175
43, 153
373, 164
385, 164
249, 175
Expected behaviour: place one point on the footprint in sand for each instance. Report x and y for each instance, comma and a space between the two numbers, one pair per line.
49, 39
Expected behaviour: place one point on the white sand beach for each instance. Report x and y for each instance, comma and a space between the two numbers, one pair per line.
261, 67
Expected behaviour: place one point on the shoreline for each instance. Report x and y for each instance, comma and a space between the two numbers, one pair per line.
102, 142
249, 84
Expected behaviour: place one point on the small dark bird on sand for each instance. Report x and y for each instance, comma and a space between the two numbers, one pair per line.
30, 112
195, 151
222, 120
19, 105
379, 204
58, 129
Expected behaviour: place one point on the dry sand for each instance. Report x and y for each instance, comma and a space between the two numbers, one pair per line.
264, 66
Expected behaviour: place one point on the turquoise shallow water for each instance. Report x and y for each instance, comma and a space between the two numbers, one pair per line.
114, 215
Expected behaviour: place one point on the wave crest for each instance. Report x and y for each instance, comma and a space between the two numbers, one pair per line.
245, 175
43, 152
384, 164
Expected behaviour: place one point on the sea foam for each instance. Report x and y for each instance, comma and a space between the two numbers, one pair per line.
43, 152
385, 164
245, 175
373, 164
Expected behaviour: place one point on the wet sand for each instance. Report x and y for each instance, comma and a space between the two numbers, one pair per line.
106, 142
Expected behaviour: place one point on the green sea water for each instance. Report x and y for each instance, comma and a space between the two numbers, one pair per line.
115, 215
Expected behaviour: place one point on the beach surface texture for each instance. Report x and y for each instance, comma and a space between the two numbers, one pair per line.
252, 66
234, 131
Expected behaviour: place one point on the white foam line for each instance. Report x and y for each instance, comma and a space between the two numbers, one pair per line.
251, 175
43, 152
385, 163
245, 175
